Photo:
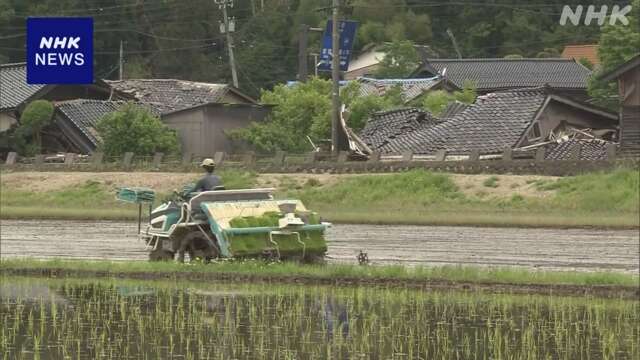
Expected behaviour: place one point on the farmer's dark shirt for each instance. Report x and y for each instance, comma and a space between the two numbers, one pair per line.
208, 183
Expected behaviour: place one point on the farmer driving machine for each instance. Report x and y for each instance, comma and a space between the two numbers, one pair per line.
222, 223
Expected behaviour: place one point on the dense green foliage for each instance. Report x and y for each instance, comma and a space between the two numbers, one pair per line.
304, 109
400, 60
134, 129
437, 101
181, 39
27, 136
618, 43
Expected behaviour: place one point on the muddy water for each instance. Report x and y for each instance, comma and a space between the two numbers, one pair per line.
566, 249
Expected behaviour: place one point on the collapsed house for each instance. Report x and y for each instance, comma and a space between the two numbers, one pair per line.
201, 113
172, 94
512, 119
16, 94
77, 120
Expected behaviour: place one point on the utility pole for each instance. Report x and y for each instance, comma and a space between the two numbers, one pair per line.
335, 76
303, 55
120, 63
315, 63
228, 28
303, 40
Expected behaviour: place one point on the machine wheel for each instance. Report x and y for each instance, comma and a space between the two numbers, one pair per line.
161, 255
196, 245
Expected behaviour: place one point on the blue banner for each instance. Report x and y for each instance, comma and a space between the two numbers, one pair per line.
347, 31
59, 50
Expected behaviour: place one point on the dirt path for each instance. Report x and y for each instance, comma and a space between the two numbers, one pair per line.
547, 249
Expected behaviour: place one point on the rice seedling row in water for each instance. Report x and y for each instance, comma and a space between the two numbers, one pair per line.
127, 320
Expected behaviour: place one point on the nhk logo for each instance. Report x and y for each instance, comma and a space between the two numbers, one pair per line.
59, 50
617, 14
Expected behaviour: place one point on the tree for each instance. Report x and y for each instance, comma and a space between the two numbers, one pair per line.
618, 43
400, 60
549, 53
437, 101
360, 107
301, 110
305, 110
134, 129
586, 63
28, 135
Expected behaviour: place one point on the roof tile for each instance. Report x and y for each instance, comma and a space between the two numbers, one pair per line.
495, 74
13, 85
171, 94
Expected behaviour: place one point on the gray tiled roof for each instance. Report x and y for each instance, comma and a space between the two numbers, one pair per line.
85, 114
591, 150
385, 126
453, 109
494, 122
171, 94
411, 88
13, 85
494, 74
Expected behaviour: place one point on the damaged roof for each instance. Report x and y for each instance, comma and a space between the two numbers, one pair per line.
411, 88
500, 74
171, 94
13, 85
495, 122
385, 126
591, 149
84, 114
453, 109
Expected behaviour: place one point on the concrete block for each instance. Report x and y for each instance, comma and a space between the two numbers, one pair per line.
407, 155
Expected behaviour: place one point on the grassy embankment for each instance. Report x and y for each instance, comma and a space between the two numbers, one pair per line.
599, 199
260, 270
608, 199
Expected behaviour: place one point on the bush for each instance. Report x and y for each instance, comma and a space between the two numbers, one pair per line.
135, 129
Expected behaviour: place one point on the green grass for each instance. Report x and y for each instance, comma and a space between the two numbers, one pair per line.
608, 199
90, 201
491, 182
603, 199
261, 269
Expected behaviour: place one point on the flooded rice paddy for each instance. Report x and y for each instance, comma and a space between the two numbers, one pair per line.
548, 249
123, 319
